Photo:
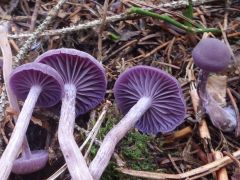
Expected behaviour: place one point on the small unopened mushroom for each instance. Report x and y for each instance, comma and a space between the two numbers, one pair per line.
151, 100
212, 55
84, 88
37, 84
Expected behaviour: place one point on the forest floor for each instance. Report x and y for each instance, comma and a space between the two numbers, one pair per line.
120, 39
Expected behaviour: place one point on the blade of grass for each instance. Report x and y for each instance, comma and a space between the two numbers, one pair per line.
188, 12
113, 36
172, 21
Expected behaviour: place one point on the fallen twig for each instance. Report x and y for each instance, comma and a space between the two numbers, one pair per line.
194, 173
222, 172
34, 15
78, 27
110, 19
178, 4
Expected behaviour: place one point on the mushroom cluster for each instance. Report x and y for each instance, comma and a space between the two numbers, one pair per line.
212, 56
150, 99
69, 75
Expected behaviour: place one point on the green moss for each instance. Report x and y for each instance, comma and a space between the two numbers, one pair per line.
135, 151
106, 128
93, 150
111, 172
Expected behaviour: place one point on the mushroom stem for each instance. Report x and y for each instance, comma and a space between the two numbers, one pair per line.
77, 165
220, 117
202, 85
26, 152
107, 147
7, 64
17, 137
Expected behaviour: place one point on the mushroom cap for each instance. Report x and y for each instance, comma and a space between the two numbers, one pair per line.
32, 74
211, 55
35, 162
82, 70
168, 108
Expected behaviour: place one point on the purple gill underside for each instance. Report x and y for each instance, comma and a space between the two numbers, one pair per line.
167, 110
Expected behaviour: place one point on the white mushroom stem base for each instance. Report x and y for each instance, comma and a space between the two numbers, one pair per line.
76, 163
16, 140
107, 147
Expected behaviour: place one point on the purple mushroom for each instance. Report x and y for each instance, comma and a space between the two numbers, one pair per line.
31, 161
85, 87
212, 55
151, 100
6, 66
37, 84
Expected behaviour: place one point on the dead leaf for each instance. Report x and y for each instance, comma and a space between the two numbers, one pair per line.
217, 87
37, 121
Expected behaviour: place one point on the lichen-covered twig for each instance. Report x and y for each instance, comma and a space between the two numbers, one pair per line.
184, 3
78, 27
179, 4
3, 103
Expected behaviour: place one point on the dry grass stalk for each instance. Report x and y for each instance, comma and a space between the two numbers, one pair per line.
193, 174
222, 172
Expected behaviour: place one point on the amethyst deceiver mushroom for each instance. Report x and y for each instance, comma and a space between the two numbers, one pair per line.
22, 165
212, 55
37, 84
151, 100
85, 87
